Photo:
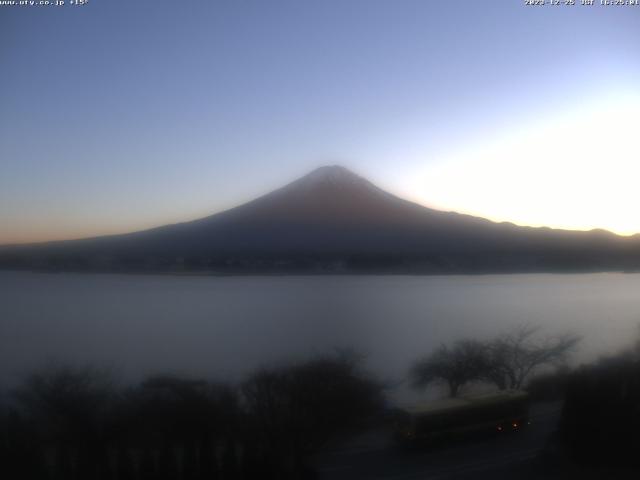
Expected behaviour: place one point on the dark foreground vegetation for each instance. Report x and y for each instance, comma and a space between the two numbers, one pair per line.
70, 423
598, 432
600, 423
79, 424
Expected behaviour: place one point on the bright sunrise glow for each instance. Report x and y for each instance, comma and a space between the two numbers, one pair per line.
578, 170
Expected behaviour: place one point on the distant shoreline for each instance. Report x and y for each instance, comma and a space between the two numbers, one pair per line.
213, 273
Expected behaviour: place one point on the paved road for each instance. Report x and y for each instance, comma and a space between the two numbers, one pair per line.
500, 456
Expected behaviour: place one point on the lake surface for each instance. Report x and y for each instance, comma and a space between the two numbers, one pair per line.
224, 327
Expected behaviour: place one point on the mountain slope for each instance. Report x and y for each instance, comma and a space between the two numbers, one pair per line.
333, 219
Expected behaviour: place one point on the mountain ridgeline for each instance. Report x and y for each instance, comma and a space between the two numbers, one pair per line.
332, 221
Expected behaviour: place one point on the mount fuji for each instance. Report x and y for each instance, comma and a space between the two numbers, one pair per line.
333, 220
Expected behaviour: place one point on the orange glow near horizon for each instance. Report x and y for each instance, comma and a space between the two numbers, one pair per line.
577, 171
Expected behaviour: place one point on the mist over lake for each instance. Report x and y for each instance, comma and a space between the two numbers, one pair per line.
226, 327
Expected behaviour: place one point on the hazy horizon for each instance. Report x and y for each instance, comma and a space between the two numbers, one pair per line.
259, 195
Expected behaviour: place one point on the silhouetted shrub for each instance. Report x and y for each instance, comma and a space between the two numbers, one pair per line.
74, 424
64, 411
185, 424
294, 411
601, 415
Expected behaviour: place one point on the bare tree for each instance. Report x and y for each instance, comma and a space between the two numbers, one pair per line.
295, 410
511, 358
192, 424
456, 366
67, 400
69, 408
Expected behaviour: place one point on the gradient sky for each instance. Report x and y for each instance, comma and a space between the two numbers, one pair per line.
121, 115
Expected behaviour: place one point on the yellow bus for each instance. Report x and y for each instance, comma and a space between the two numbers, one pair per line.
456, 417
